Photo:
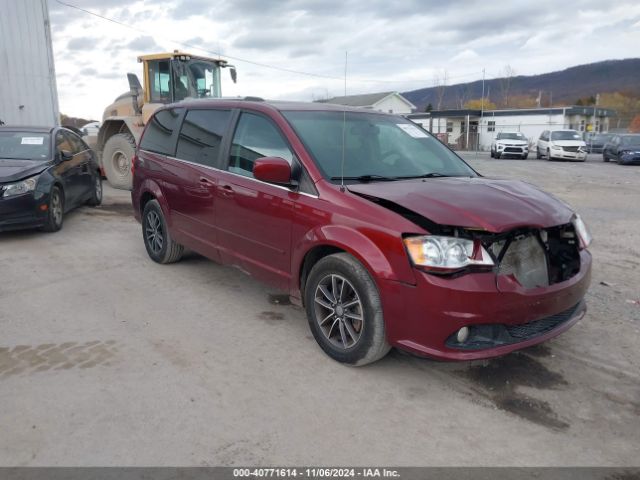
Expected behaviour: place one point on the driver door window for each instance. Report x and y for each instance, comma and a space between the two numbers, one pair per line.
255, 137
160, 80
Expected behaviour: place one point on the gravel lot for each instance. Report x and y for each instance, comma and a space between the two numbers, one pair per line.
109, 359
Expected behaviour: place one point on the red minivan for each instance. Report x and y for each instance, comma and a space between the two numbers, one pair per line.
383, 234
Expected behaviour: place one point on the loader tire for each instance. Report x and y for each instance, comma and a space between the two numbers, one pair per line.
116, 160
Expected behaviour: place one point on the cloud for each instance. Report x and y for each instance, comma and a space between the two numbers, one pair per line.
82, 43
144, 44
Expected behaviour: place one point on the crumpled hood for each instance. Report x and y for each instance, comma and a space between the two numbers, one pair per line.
490, 204
14, 170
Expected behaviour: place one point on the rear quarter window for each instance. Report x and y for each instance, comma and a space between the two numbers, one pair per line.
159, 135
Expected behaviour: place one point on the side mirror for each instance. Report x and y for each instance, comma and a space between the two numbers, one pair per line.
272, 170
65, 155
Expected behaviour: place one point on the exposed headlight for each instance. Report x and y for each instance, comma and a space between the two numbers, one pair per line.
21, 187
555, 147
583, 232
446, 253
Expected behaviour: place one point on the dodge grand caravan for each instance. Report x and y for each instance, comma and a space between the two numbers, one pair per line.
383, 234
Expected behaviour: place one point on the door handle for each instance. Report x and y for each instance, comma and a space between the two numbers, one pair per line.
227, 190
205, 181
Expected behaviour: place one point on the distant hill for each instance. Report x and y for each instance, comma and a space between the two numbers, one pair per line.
565, 86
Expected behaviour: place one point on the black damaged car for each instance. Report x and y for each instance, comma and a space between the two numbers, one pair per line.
44, 173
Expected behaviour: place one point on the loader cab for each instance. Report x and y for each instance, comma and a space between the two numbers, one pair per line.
173, 77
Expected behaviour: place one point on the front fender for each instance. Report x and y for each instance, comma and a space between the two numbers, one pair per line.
385, 258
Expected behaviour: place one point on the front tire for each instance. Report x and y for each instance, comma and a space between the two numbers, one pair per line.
605, 158
549, 155
116, 160
55, 212
344, 311
96, 196
538, 154
161, 248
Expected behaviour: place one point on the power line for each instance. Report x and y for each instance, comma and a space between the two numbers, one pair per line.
251, 62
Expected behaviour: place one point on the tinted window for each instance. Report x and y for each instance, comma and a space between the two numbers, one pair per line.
201, 136
255, 137
160, 79
158, 137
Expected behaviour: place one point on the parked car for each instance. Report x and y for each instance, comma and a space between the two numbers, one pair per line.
561, 145
624, 149
388, 239
596, 141
44, 173
91, 129
510, 144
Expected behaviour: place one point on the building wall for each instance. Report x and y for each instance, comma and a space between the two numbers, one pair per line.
28, 93
392, 104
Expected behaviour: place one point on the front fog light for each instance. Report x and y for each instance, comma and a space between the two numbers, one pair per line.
462, 335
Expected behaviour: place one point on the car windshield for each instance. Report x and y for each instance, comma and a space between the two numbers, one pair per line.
376, 146
24, 145
631, 140
600, 138
565, 135
511, 136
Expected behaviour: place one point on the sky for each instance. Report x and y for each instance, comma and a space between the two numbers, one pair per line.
295, 49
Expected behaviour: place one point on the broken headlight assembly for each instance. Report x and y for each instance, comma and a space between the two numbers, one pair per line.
21, 187
446, 254
583, 232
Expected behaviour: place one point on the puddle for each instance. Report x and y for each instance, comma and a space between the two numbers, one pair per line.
122, 209
26, 359
499, 378
271, 317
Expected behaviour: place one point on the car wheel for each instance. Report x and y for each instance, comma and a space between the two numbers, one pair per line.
524, 157
538, 155
605, 158
492, 154
116, 160
344, 311
55, 212
549, 155
157, 240
96, 196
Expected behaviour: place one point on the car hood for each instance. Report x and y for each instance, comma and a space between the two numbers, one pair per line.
493, 205
569, 143
14, 170
631, 148
512, 142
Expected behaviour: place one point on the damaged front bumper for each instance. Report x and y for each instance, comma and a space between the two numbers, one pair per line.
425, 317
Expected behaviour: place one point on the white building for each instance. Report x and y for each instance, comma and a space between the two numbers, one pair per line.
28, 93
388, 102
473, 128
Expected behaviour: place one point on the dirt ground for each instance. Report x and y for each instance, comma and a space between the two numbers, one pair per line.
107, 358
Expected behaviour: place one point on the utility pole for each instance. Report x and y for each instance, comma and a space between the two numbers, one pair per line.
481, 116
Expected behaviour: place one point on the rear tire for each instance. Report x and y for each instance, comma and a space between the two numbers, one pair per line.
116, 160
538, 155
55, 212
605, 158
344, 311
161, 248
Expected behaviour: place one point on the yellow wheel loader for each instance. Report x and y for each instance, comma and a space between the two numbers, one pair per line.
168, 78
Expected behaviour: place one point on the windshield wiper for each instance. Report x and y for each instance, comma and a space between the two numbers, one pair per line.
425, 175
367, 178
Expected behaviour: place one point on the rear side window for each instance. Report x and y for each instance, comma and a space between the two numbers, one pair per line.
158, 137
255, 137
201, 136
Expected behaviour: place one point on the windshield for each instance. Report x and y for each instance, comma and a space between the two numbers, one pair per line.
375, 146
24, 145
196, 79
565, 135
511, 136
600, 138
631, 140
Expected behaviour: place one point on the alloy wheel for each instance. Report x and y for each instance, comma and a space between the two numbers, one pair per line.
339, 311
154, 233
56, 207
120, 163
